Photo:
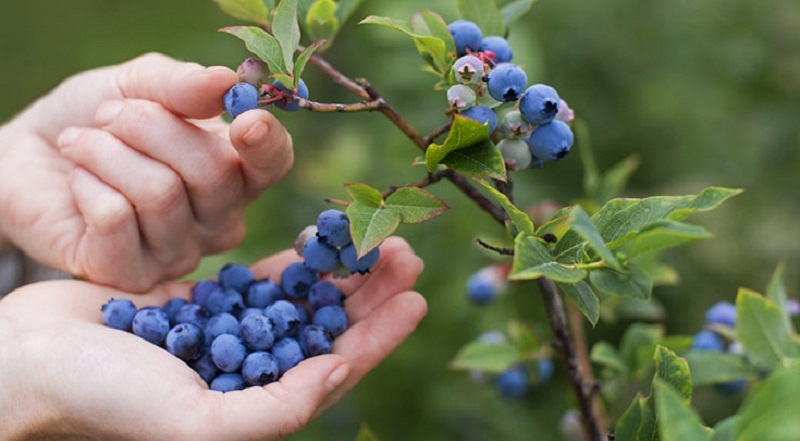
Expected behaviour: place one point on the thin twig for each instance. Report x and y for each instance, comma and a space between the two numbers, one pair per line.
338, 77
582, 353
437, 132
364, 106
506, 187
499, 250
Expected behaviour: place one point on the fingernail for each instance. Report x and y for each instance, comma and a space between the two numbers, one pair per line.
257, 134
107, 112
337, 377
68, 136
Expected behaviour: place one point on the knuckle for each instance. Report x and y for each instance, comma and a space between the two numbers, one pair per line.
229, 238
163, 192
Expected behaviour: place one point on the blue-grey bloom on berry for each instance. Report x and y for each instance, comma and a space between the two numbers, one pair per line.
297, 279
185, 341
316, 340
219, 324
354, 264
285, 318
498, 46
119, 314
263, 293
152, 324
227, 382
202, 290
302, 314
225, 300
324, 293
288, 352
236, 276
461, 97
290, 104
240, 98
253, 71
205, 367
257, 332
468, 69
706, 340
480, 289
539, 104
513, 382
466, 36
192, 313
307, 233
228, 352
551, 141
333, 228
723, 313
516, 153
333, 318
260, 368
319, 256
506, 82
483, 115
249, 311
172, 306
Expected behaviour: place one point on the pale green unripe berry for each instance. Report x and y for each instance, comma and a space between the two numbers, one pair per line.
515, 152
468, 69
461, 97
516, 125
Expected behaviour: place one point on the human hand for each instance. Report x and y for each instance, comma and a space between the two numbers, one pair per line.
65, 375
126, 175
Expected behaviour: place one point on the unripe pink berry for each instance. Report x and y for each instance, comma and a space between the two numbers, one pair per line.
253, 71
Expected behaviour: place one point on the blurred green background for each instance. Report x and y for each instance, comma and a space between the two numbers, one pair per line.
705, 92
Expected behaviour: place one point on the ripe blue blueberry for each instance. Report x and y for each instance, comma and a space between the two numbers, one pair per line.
119, 314
551, 141
545, 370
499, 47
461, 97
228, 352
307, 233
302, 314
731, 387
291, 104
466, 35
481, 287
259, 368
324, 293
516, 153
236, 276
263, 293
354, 264
227, 382
202, 290
296, 280
172, 306
316, 340
225, 300
152, 324
192, 313
483, 115
248, 312
205, 367
320, 256
288, 352
333, 318
240, 98
723, 313
468, 69
253, 71
333, 228
513, 382
219, 324
257, 332
284, 317
185, 341
506, 82
539, 104
706, 340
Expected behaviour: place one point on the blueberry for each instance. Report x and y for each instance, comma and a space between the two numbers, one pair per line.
316, 340
152, 324
248, 312
468, 69
513, 382
228, 352
501, 50
333, 318
483, 115
731, 387
291, 104
240, 98
333, 228
466, 35
253, 71
185, 341
260, 368
545, 370
202, 290
288, 352
296, 280
236, 276
172, 306
354, 264
227, 382
706, 340
119, 314
320, 256
515, 125
205, 367
307, 233
225, 300
324, 293
481, 288
551, 141
516, 153
263, 293
723, 313
219, 324
539, 104
257, 332
192, 313
461, 97
284, 316
302, 314
506, 82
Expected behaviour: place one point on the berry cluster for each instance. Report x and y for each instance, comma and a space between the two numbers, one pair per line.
537, 129
254, 89
242, 331
720, 314
515, 381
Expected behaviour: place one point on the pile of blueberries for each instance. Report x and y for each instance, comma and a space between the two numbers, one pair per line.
241, 331
255, 86
537, 130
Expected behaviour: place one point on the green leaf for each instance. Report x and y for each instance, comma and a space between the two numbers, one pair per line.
533, 260
287, 31
464, 132
675, 371
432, 49
584, 299
725, 430
615, 179
714, 367
321, 22
638, 345
638, 422
487, 357
485, 14
776, 291
431, 23
605, 355
517, 216
631, 282
248, 10
346, 9
522, 337
302, 60
770, 412
260, 43
370, 225
582, 224
415, 205
660, 235
286, 80
514, 10
364, 194
478, 161
677, 421
762, 331
365, 434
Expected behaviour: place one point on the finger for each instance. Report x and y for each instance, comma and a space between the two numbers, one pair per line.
156, 192
187, 89
206, 163
265, 149
278, 409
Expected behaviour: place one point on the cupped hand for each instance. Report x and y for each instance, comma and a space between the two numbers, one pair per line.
66, 376
127, 176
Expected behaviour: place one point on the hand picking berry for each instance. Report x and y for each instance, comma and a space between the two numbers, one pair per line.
240, 98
